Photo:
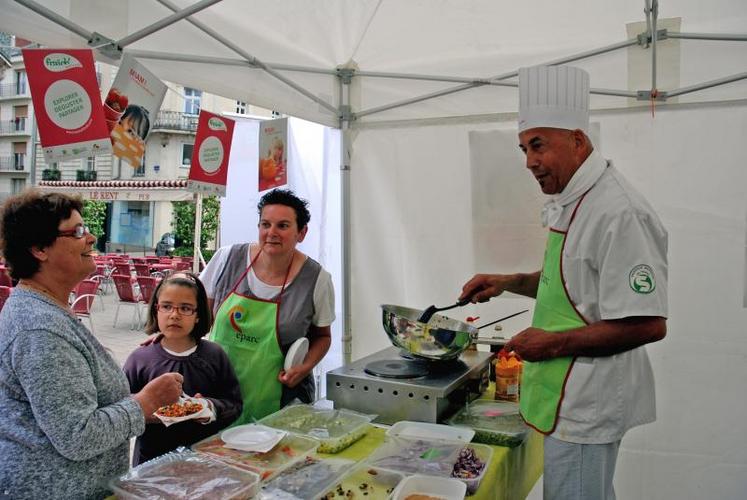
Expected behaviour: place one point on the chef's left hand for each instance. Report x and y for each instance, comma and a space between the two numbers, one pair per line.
535, 344
291, 378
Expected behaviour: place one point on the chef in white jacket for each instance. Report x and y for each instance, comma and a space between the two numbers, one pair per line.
601, 292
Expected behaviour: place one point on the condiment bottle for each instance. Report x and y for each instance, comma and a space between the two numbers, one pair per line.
507, 376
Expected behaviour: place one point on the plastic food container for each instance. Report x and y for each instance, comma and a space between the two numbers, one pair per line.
335, 429
437, 488
484, 454
306, 479
365, 481
291, 449
495, 422
416, 456
185, 475
423, 430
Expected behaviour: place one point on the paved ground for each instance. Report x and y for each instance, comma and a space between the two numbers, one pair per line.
122, 339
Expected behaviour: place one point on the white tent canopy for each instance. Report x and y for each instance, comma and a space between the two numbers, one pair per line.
435, 190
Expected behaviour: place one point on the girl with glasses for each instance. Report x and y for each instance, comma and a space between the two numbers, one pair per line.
179, 312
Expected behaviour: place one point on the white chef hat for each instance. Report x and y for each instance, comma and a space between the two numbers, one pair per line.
553, 96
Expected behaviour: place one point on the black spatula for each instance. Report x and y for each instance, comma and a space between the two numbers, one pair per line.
426, 316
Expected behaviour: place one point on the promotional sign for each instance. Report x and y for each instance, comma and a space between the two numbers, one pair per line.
273, 137
209, 168
130, 108
66, 99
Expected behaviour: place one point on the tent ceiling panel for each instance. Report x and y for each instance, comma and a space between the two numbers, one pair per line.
476, 39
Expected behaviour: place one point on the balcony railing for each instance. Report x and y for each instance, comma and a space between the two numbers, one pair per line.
15, 126
14, 89
175, 120
15, 162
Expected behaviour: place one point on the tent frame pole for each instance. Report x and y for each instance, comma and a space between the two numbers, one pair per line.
254, 61
344, 79
196, 254
57, 19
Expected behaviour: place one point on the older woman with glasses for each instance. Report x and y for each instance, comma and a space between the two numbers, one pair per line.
67, 411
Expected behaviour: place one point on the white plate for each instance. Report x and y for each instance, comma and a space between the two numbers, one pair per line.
296, 353
252, 437
422, 430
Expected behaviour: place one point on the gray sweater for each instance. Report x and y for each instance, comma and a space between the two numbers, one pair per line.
65, 405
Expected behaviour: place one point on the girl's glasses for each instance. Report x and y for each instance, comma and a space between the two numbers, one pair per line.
183, 309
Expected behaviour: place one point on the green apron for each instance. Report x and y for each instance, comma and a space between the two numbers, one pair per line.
543, 382
247, 330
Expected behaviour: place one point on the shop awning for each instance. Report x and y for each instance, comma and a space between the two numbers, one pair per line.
174, 190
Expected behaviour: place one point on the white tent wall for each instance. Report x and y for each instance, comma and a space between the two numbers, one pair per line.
313, 159
412, 244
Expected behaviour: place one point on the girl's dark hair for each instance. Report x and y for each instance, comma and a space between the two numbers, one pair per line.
289, 199
139, 117
189, 280
32, 219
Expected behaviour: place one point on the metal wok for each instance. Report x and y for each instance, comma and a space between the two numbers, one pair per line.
441, 339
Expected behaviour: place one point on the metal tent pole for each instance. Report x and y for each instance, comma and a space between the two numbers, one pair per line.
166, 21
707, 36
196, 254
706, 85
254, 61
345, 117
56, 18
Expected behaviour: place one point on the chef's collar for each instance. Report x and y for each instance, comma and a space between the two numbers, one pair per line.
583, 179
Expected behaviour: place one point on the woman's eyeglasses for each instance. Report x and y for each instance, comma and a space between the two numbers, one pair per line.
78, 232
183, 309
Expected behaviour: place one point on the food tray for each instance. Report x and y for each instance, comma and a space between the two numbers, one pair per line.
185, 475
427, 431
495, 422
364, 482
484, 454
437, 488
416, 456
306, 479
291, 449
335, 429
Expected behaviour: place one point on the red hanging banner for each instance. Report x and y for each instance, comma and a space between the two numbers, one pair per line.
208, 171
67, 103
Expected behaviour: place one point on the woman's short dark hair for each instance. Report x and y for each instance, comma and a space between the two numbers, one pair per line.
189, 280
289, 199
32, 219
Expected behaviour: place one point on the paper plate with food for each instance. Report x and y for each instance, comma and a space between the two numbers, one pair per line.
187, 408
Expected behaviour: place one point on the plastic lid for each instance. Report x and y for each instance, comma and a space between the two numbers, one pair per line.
296, 353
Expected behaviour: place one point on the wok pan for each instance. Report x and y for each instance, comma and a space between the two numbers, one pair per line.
440, 339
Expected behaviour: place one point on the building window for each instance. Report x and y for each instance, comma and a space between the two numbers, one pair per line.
140, 171
17, 185
192, 101
91, 163
187, 154
20, 82
240, 107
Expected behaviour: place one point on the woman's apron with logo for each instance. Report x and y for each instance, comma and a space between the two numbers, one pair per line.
543, 382
247, 329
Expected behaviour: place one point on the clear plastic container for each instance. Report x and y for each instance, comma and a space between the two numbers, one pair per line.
335, 429
469, 475
439, 488
365, 481
291, 449
416, 456
495, 422
309, 478
185, 475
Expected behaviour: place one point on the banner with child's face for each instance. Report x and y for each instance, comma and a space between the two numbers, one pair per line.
273, 159
130, 108
66, 99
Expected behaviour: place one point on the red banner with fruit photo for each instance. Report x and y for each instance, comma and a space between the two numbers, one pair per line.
208, 171
273, 159
130, 108
66, 98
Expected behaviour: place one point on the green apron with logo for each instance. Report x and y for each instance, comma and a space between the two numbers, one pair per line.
543, 382
247, 330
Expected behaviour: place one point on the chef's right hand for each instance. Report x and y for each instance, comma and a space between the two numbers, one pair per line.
162, 390
483, 287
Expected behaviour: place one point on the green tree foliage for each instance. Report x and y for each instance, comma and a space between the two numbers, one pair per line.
184, 225
94, 216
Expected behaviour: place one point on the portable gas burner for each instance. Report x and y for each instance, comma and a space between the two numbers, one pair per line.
396, 386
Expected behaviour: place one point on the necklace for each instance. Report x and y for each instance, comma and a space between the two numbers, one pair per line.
30, 285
